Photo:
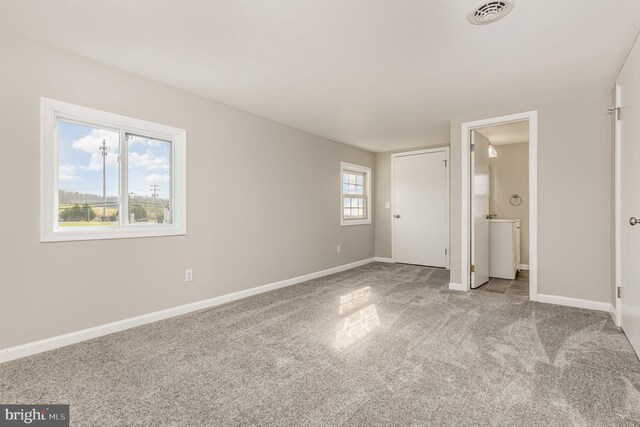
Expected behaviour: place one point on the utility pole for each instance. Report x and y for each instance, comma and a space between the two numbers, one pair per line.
104, 150
154, 193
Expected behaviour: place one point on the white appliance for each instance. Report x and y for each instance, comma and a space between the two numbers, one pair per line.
504, 248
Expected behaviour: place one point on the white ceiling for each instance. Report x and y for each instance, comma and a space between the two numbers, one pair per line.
377, 74
507, 133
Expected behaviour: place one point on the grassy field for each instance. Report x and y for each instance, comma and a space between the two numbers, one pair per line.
111, 212
97, 209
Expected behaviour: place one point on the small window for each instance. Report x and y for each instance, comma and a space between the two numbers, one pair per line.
355, 187
107, 176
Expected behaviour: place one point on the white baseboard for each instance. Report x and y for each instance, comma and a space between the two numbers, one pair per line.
574, 302
614, 314
380, 259
457, 287
524, 266
46, 344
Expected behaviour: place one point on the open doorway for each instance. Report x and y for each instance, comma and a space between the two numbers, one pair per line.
500, 209
499, 212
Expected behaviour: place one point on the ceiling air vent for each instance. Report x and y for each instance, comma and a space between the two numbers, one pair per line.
490, 11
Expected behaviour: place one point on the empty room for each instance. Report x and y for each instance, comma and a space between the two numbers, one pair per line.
361, 213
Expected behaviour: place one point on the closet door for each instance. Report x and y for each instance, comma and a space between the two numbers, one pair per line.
420, 207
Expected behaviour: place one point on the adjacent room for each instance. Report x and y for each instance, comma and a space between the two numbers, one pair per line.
239, 213
501, 223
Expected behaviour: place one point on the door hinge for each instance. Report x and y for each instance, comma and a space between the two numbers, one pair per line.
473, 147
445, 251
473, 268
619, 292
445, 163
616, 111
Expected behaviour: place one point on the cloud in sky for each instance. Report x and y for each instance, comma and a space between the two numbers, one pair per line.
91, 144
155, 178
148, 161
146, 142
68, 173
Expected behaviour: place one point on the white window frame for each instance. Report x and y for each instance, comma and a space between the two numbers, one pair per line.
350, 167
50, 112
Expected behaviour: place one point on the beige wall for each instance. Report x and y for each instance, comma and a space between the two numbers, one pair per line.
286, 180
382, 197
508, 175
289, 178
574, 196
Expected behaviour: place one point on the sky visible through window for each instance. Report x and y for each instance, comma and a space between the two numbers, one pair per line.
81, 162
80, 159
149, 166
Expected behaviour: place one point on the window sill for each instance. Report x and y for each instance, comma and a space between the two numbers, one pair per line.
100, 233
345, 223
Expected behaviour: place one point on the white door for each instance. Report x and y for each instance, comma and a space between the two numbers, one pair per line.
420, 223
629, 158
479, 209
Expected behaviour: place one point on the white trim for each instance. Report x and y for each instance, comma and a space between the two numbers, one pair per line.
367, 171
47, 344
574, 302
467, 127
617, 142
457, 287
50, 111
380, 259
614, 314
524, 266
447, 203
635, 50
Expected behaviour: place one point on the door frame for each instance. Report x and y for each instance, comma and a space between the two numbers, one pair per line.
617, 180
444, 149
618, 220
465, 172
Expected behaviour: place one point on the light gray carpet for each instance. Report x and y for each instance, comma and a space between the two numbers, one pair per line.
378, 345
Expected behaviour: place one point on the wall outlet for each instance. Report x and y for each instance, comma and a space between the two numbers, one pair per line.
188, 275
338, 249
387, 205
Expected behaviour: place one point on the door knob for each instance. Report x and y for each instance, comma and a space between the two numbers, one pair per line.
633, 220
396, 216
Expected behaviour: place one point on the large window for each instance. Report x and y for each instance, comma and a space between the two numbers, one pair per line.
108, 176
355, 185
